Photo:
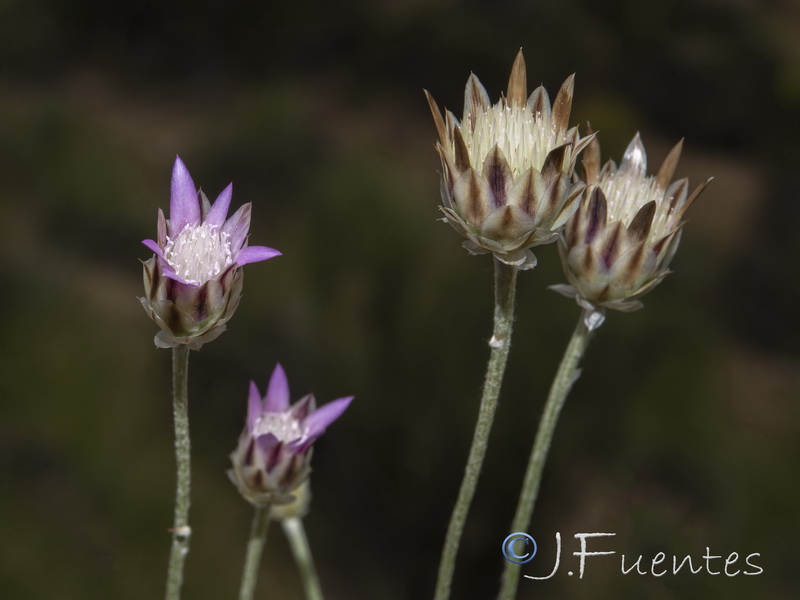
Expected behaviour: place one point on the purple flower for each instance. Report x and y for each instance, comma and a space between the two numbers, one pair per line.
274, 452
194, 283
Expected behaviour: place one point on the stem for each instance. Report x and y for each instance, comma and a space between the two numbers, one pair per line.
181, 532
296, 533
505, 285
255, 547
568, 372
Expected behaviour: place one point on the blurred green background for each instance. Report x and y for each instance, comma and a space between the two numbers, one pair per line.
683, 432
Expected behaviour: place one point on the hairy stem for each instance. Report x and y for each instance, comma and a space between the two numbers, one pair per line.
181, 532
504, 290
566, 375
296, 533
255, 547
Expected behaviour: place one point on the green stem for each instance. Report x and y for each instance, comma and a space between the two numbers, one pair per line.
181, 532
505, 285
255, 547
296, 533
568, 372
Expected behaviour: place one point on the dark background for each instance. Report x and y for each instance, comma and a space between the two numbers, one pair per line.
683, 432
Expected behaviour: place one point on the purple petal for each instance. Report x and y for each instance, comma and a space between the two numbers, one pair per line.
253, 406
168, 271
253, 254
267, 442
184, 207
270, 448
319, 420
277, 398
153, 246
219, 210
238, 226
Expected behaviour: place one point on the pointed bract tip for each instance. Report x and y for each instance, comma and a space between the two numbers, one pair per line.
219, 210
277, 396
517, 82
476, 99
635, 157
562, 106
568, 87
320, 419
667, 169
252, 254
184, 206
178, 162
253, 405
437, 116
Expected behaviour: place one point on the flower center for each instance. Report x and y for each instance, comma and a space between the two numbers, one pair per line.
626, 193
199, 253
282, 425
525, 139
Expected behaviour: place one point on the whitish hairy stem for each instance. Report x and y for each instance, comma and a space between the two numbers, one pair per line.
181, 532
505, 284
296, 533
255, 547
568, 373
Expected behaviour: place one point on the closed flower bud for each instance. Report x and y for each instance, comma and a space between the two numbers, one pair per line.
193, 283
619, 243
274, 453
507, 168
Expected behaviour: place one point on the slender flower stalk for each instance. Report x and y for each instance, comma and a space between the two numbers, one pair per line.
505, 288
181, 532
568, 372
296, 534
255, 548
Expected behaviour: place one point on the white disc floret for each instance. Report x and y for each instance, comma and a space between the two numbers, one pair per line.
626, 192
199, 253
283, 425
524, 138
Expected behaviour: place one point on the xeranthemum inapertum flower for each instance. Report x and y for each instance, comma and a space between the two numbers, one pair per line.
618, 245
194, 282
507, 168
274, 453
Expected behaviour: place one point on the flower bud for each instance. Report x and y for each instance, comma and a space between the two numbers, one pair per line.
274, 453
194, 282
506, 168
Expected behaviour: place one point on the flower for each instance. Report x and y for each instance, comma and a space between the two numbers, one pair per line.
619, 243
274, 451
194, 282
506, 168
